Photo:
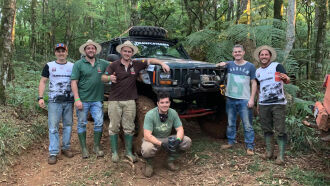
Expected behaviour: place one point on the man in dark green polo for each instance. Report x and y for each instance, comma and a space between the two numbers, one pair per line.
88, 91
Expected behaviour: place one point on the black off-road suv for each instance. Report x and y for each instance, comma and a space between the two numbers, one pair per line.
193, 85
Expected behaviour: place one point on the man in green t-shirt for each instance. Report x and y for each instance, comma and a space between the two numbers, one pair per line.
158, 124
88, 91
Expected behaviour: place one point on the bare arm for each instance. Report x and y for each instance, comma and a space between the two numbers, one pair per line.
253, 93
149, 137
155, 61
180, 132
221, 64
74, 87
42, 86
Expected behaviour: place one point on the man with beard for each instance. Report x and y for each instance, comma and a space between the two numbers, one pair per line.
123, 74
60, 99
240, 92
88, 91
271, 76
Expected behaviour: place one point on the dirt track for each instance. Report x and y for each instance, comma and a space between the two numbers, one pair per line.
204, 164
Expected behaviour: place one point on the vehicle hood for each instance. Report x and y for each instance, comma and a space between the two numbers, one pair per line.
185, 63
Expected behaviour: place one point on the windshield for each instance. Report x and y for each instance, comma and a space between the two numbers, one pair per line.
158, 50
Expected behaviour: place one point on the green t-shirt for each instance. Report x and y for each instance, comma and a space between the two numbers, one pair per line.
90, 86
159, 129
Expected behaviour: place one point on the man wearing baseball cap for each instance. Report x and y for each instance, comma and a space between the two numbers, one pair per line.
272, 103
60, 99
123, 74
88, 91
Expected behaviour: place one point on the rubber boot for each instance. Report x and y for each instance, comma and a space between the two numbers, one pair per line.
170, 162
149, 170
82, 141
97, 148
128, 148
269, 141
114, 148
281, 141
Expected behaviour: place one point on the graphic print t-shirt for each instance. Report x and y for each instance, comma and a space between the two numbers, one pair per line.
238, 80
59, 81
161, 129
271, 91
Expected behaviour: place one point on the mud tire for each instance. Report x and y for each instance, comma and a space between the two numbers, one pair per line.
214, 125
148, 31
143, 105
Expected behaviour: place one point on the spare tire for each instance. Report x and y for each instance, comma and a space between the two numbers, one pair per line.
148, 31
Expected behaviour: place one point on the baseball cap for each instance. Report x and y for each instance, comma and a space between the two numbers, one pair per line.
61, 45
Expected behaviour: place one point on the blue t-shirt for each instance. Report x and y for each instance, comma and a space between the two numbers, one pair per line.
238, 80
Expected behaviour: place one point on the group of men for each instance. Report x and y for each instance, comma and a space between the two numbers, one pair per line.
81, 84
242, 82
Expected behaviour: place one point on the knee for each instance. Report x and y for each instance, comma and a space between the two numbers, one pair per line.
148, 150
186, 143
53, 130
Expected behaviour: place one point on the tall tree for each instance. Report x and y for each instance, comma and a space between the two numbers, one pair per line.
290, 31
278, 9
33, 22
230, 10
320, 38
7, 34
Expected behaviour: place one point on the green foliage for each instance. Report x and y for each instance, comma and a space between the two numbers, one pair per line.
291, 89
307, 177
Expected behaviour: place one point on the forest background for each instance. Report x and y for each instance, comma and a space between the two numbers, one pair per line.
208, 29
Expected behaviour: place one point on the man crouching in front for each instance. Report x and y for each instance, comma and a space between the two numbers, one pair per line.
158, 124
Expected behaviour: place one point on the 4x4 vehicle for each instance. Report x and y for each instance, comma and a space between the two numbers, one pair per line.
193, 85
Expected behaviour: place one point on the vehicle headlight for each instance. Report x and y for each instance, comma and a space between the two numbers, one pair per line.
164, 75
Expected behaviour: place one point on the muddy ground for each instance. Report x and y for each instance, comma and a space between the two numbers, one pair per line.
203, 164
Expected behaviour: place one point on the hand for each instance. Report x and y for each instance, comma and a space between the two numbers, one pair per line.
113, 78
42, 103
221, 64
285, 78
164, 145
166, 68
250, 103
175, 145
78, 105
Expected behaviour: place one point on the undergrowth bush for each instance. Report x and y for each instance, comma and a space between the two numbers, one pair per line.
22, 121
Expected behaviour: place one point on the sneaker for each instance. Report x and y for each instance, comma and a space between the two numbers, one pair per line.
67, 153
227, 146
52, 159
249, 152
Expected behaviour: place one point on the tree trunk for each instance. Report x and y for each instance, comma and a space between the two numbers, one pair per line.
230, 10
7, 34
320, 39
241, 7
134, 13
290, 31
33, 37
278, 9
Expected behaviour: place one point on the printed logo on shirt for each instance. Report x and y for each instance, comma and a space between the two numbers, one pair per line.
54, 69
239, 69
132, 71
99, 69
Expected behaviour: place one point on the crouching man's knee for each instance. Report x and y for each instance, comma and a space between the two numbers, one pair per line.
148, 150
185, 144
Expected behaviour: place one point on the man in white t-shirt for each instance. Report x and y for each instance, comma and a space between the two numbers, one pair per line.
272, 103
60, 99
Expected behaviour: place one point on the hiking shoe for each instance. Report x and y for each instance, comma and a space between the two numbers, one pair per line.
171, 166
67, 153
227, 146
52, 159
249, 152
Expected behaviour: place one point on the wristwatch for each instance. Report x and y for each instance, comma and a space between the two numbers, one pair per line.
39, 98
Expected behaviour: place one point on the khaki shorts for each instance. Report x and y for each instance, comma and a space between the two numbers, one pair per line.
122, 113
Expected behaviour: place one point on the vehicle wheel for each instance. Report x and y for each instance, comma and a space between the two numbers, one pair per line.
143, 105
149, 31
214, 125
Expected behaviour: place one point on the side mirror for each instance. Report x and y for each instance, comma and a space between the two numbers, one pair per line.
112, 57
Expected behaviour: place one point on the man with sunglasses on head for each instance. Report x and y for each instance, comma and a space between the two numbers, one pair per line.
60, 99
158, 124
